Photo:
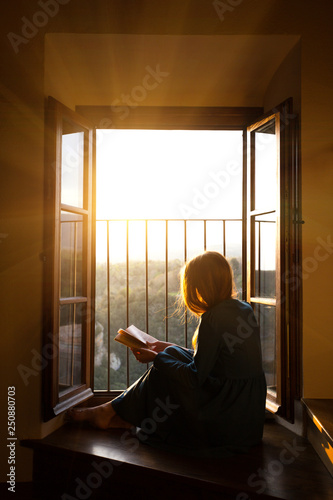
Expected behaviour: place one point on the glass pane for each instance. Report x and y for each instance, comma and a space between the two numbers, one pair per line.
265, 251
176, 328
266, 158
72, 166
70, 345
71, 255
266, 319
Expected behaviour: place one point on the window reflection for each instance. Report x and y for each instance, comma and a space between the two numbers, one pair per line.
265, 166
70, 345
72, 168
71, 254
265, 254
266, 319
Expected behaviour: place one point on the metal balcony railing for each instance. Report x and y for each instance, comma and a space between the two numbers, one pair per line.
137, 282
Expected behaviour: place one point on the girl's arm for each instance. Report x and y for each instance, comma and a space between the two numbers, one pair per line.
194, 374
148, 355
159, 346
144, 355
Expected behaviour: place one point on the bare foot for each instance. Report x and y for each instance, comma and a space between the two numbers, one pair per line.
102, 417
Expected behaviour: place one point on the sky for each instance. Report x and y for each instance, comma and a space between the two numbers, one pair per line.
168, 174
173, 174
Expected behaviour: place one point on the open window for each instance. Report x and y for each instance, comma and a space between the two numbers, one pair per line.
68, 258
270, 246
273, 217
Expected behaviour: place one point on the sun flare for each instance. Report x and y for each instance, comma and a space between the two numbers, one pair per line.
165, 175
168, 174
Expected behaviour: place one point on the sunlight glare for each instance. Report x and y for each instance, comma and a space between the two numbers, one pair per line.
168, 174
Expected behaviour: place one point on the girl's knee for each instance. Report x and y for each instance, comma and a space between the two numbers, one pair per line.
178, 353
172, 350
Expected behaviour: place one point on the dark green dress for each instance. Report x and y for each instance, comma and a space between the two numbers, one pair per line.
211, 402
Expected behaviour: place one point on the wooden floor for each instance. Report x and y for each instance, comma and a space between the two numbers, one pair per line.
81, 462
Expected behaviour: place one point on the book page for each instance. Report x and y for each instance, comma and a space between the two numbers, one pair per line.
140, 335
133, 337
124, 338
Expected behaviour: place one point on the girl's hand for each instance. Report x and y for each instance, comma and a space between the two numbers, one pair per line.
144, 355
158, 346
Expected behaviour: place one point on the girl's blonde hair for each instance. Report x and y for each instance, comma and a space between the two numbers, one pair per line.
206, 280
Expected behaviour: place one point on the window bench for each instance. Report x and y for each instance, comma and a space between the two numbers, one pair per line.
81, 462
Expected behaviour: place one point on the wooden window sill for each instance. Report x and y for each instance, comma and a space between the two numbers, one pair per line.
284, 466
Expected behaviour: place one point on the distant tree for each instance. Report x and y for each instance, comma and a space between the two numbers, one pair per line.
157, 313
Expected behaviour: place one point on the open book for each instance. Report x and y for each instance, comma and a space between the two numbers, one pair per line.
133, 337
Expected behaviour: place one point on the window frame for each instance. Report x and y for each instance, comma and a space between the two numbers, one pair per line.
174, 118
273, 402
288, 255
93, 117
55, 401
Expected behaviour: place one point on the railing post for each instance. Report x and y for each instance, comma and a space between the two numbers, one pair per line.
108, 299
127, 297
186, 252
166, 282
146, 277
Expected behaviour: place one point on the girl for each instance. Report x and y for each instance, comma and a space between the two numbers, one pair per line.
208, 401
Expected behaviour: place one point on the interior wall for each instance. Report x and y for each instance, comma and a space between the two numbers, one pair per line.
21, 183
317, 189
162, 70
286, 82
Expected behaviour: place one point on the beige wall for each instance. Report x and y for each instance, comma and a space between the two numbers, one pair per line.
205, 70
21, 198
317, 189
